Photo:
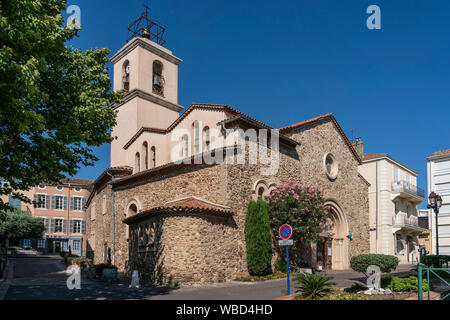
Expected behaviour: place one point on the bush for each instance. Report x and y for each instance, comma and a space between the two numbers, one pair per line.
82, 262
313, 286
386, 263
403, 284
435, 261
258, 239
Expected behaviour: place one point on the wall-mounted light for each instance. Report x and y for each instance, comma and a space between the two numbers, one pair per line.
350, 236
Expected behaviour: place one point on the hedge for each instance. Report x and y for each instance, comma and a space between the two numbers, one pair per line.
258, 239
435, 261
386, 263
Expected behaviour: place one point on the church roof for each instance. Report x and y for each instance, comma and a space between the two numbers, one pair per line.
237, 116
185, 205
319, 118
372, 155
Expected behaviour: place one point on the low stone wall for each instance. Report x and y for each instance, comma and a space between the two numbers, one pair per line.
184, 249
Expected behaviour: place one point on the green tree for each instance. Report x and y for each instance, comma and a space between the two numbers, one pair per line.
258, 238
20, 224
55, 99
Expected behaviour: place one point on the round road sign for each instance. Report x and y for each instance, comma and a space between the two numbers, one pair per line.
285, 231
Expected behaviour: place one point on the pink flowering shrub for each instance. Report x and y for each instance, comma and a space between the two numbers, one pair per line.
300, 206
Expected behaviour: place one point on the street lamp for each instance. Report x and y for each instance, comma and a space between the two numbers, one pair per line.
435, 204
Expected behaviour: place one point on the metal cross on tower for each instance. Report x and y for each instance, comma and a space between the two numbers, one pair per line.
146, 27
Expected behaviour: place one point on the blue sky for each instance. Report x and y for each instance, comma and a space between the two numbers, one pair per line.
287, 61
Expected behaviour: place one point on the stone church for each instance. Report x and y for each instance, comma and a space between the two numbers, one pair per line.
163, 209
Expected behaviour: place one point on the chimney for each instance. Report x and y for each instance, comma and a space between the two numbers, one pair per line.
359, 147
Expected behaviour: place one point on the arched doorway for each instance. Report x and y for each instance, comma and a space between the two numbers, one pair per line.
332, 253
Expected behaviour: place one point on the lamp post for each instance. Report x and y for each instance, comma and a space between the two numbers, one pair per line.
435, 204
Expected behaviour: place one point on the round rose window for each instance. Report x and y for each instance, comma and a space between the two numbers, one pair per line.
331, 166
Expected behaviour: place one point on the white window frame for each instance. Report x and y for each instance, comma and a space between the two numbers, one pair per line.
79, 222
41, 243
75, 204
396, 174
62, 201
79, 244
41, 204
56, 225
28, 242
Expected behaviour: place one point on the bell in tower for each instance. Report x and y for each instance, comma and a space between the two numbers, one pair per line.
148, 72
148, 28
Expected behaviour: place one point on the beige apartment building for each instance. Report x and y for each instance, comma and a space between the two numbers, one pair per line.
63, 209
393, 200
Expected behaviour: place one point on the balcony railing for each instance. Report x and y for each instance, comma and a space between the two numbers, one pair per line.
403, 220
405, 186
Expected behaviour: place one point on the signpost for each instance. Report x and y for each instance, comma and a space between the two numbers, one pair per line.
285, 233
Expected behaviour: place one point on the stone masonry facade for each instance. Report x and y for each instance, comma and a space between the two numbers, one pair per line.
196, 248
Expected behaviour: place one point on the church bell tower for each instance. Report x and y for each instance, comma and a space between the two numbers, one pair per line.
148, 71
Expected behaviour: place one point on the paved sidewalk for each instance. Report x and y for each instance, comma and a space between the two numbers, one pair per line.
45, 278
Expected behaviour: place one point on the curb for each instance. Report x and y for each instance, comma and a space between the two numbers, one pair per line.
9, 275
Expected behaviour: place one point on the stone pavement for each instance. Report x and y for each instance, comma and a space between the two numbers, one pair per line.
45, 278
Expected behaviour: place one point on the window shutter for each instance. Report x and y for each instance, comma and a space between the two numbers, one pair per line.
52, 226
65, 202
71, 203
35, 200
45, 224
71, 226
83, 227
53, 202
47, 202
64, 225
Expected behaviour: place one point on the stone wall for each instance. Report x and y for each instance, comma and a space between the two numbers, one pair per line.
98, 225
185, 248
202, 181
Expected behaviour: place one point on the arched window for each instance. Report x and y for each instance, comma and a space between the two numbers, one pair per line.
196, 130
145, 152
132, 210
207, 139
126, 75
158, 79
153, 159
261, 193
185, 140
260, 190
137, 162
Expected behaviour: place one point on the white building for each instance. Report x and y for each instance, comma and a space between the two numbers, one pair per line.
393, 200
438, 169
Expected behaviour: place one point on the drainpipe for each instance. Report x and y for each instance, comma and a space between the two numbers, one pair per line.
113, 221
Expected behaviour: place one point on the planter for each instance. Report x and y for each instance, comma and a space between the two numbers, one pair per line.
109, 274
306, 270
